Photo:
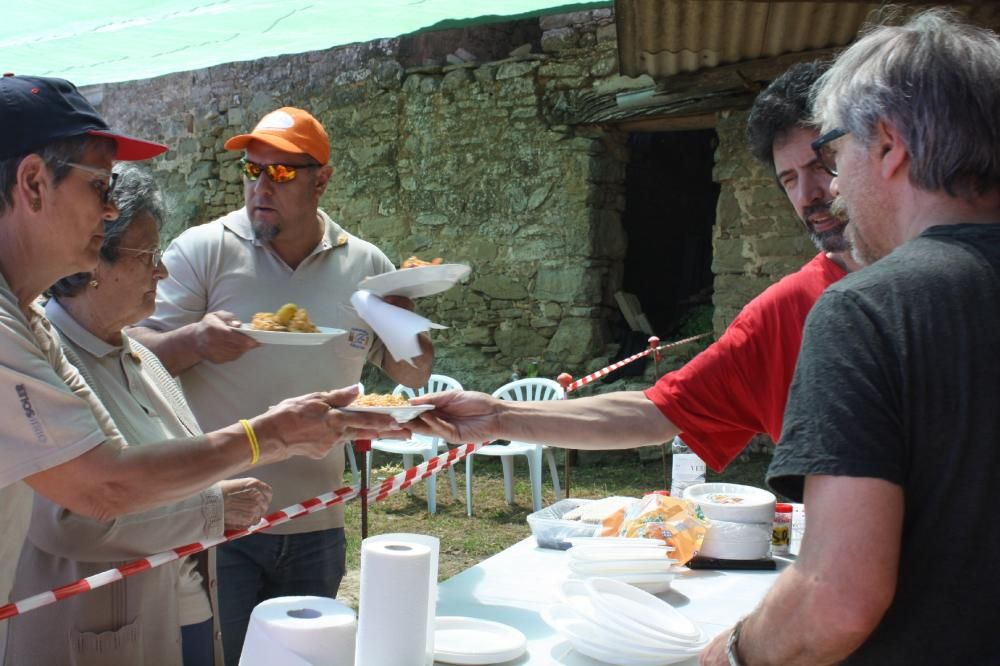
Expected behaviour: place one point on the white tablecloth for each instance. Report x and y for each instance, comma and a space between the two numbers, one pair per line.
513, 586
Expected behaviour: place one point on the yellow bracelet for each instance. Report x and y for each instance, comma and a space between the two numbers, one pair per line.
254, 446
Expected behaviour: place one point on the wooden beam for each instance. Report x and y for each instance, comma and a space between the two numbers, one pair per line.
683, 95
669, 123
750, 74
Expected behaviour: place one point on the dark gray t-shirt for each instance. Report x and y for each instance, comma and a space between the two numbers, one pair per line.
899, 379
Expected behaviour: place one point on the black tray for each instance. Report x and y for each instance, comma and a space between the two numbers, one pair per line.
763, 564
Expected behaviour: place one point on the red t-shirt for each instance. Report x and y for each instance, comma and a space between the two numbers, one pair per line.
738, 387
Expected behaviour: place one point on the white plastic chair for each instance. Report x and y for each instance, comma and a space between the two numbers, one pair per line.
351, 460
522, 389
423, 445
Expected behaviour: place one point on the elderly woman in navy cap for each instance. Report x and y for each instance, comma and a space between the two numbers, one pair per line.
165, 615
55, 182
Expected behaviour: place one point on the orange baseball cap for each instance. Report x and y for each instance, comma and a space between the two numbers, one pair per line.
289, 129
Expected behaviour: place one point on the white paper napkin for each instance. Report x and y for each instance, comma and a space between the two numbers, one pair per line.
397, 328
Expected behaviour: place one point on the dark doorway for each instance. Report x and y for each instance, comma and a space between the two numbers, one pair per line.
670, 203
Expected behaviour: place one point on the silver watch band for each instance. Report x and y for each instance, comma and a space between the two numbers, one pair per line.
733, 642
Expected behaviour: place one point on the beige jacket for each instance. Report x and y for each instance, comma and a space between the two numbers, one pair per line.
132, 622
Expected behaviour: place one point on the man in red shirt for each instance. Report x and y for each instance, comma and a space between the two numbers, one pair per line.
737, 387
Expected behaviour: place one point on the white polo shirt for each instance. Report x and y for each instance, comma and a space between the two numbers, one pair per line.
148, 418
48, 414
222, 266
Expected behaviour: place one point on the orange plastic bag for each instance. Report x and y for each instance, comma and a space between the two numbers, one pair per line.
678, 522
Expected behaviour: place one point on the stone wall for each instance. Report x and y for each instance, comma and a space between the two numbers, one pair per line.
758, 237
460, 159
453, 159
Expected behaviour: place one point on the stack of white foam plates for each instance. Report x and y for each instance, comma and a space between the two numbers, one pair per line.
614, 622
741, 518
643, 563
737, 541
733, 502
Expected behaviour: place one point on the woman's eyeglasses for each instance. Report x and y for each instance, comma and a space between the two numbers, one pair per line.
155, 256
106, 187
825, 153
278, 173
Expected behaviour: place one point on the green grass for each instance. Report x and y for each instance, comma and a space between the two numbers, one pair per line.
495, 525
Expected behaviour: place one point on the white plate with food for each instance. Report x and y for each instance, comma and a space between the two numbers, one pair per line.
469, 640
321, 335
416, 282
395, 406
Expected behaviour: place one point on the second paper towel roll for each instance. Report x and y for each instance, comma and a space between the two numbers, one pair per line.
435, 545
300, 631
395, 601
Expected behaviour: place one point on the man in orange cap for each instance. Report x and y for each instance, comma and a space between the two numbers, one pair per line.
279, 248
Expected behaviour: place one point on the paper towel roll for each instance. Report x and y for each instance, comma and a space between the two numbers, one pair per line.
435, 545
737, 541
394, 602
300, 631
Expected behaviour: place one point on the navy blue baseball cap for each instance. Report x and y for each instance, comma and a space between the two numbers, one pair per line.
35, 111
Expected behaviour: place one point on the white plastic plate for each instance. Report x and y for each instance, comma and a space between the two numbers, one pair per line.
611, 542
654, 583
592, 639
615, 567
291, 338
578, 599
618, 658
416, 282
591, 554
402, 414
469, 640
645, 612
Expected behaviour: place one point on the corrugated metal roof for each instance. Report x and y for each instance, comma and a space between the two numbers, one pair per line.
665, 37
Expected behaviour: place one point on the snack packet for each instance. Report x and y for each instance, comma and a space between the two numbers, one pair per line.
678, 522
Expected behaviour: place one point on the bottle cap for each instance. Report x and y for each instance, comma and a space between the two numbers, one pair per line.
781, 507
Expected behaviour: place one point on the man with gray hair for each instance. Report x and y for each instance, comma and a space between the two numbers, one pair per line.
892, 421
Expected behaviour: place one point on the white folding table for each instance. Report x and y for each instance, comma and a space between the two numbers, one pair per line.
514, 585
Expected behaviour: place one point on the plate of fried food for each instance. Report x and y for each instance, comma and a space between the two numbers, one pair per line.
290, 325
395, 406
416, 278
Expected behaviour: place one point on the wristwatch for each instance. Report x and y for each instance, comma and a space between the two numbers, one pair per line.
731, 644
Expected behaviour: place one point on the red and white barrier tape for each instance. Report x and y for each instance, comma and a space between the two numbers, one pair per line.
583, 381
390, 486
426, 469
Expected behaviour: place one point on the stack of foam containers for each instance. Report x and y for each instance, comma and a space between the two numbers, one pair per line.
741, 517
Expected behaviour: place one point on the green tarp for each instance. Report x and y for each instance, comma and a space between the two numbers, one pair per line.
117, 40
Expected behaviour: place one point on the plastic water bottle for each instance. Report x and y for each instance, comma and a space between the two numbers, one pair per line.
688, 468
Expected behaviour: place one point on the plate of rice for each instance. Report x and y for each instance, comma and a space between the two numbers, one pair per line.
395, 406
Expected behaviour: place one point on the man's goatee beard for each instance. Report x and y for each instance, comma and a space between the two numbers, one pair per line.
265, 232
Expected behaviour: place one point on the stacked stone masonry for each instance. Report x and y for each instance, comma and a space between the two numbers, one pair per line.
460, 159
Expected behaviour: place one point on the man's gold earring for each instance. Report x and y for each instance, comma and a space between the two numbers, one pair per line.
36, 205
94, 283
